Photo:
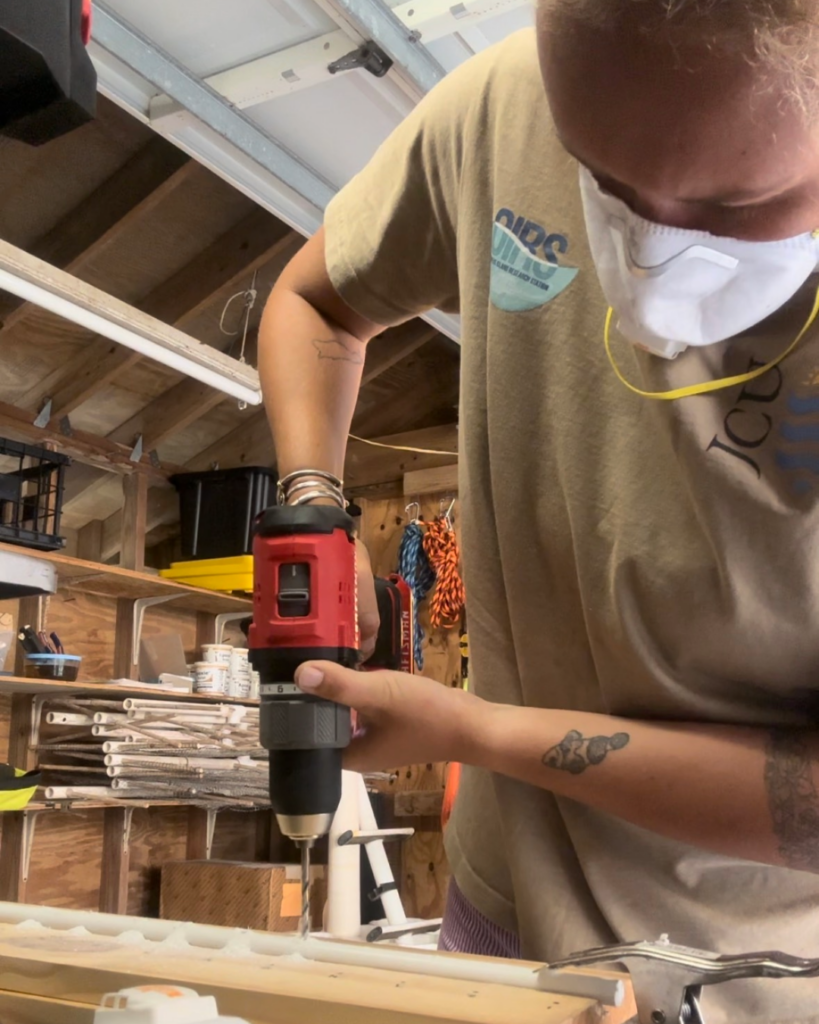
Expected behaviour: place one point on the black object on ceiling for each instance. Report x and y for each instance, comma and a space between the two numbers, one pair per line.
48, 85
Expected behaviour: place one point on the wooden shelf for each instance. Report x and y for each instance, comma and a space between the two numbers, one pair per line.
114, 582
20, 684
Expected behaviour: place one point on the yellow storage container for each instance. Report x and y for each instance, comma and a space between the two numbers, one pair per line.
226, 575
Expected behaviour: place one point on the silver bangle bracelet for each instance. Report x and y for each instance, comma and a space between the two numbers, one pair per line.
304, 499
284, 486
308, 484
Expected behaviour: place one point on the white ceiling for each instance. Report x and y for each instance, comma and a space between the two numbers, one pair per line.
268, 59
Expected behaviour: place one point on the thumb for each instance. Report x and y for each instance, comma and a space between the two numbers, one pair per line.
360, 690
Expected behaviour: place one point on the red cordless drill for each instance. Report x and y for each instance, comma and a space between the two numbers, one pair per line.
304, 609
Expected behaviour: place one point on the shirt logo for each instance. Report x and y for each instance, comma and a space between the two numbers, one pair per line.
525, 271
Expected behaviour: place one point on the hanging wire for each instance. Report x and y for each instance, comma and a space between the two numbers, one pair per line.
249, 296
417, 573
401, 447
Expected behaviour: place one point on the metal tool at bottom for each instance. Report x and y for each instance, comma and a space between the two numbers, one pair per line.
668, 979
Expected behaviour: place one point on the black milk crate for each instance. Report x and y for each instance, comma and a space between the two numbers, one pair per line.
31, 495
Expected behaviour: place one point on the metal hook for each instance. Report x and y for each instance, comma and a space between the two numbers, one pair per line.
448, 513
250, 294
230, 334
413, 505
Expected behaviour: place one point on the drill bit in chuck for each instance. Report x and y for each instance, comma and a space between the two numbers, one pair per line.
304, 922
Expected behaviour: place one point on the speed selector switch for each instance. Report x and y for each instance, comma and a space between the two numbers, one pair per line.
294, 590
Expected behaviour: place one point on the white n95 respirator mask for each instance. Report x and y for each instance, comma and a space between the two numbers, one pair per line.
671, 287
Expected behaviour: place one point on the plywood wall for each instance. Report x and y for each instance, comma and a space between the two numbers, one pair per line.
425, 874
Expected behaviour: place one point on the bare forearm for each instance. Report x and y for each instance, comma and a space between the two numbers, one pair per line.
310, 370
739, 791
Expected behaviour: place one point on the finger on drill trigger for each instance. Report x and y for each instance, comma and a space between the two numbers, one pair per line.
368, 617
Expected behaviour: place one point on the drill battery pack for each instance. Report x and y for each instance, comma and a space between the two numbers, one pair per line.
393, 646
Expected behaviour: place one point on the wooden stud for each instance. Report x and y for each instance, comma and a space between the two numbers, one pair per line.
367, 465
116, 857
89, 541
134, 522
410, 408
263, 835
13, 883
205, 630
30, 612
130, 192
163, 508
419, 803
124, 665
80, 445
443, 480
20, 753
393, 346
197, 843
169, 414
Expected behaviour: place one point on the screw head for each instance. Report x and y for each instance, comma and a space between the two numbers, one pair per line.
657, 1017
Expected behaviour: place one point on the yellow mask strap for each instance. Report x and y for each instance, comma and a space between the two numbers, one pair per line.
710, 385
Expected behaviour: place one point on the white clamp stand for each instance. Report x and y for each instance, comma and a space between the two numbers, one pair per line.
354, 827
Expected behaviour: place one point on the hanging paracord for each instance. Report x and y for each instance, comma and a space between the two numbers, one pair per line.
441, 546
415, 570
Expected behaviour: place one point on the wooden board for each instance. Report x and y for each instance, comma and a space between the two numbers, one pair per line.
232, 894
283, 990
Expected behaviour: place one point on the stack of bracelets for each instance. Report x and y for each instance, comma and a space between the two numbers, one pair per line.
305, 485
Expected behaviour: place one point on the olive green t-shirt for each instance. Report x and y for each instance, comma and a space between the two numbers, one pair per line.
633, 557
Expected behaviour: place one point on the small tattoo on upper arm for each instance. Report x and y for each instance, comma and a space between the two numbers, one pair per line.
793, 799
576, 752
338, 350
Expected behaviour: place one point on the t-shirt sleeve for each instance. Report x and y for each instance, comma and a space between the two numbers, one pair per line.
390, 234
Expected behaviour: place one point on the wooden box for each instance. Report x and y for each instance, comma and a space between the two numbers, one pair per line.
265, 897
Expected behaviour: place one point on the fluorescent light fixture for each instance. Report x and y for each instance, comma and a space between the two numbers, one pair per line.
232, 378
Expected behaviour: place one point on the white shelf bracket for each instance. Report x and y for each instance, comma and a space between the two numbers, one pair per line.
36, 720
140, 604
126, 830
29, 825
210, 829
224, 619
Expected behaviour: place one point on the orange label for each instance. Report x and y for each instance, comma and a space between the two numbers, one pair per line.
291, 899
172, 993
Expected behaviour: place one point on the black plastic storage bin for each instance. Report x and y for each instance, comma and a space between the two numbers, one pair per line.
31, 495
217, 509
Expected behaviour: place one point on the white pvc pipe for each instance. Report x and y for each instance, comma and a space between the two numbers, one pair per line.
78, 792
377, 855
476, 970
344, 866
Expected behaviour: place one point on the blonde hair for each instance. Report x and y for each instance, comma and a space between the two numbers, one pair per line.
779, 35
